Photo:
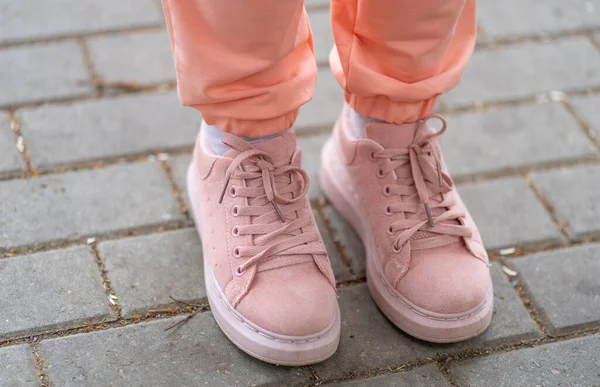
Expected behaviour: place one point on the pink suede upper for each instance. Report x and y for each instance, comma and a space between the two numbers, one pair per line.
441, 269
289, 290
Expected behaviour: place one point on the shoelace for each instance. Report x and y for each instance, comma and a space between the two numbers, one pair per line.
275, 201
436, 213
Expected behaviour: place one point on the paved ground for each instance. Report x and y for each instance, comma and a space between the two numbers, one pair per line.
95, 234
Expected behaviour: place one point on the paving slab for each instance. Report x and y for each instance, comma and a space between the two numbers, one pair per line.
11, 161
567, 363
524, 70
39, 19
428, 375
195, 353
573, 305
107, 128
573, 194
498, 19
323, 110
345, 235
42, 72
587, 109
341, 272
368, 340
508, 214
320, 23
55, 289
18, 367
141, 58
311, 161
511, 138
74, 205
179, 165
146, 270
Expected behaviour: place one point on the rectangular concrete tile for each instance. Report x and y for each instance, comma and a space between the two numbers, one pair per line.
138, 57
567, 363
508, 214
107, 129
11, 161
74, 205
428, 375
574, 195
59, 288
498, 19
341, 272
146, 271
311, 161
323, 110
522, 71
179, 165
18, 367
587, 109
345, 235
573, 305
513, 137
196, 353
320, 23
368, 340
42, 72
35, 19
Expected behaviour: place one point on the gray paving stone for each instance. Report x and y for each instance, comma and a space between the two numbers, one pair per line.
341, 272
311, 161
536, 17
368, 340
146, 270
428, 375
140, 57
53, 289
73, 205
345, 235
10, 159
196, 353
107, 129
508, 214
320, 23
323, 110
35, 19
179, 165
513, 137
568, 363
573, 305
18, 367
587, 108
522, 71
573, 194
41, 72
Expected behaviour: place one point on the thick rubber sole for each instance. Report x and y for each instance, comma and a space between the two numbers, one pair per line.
257, 342
410, 318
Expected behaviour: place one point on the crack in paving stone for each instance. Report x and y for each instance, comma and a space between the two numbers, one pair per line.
113, 299
549, 208
177, 191
487, 43
39, 360
21, 144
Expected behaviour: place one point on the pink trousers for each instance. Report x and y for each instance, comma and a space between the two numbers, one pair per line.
248, 66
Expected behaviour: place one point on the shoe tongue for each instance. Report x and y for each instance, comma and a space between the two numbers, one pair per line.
281, 148
391, 135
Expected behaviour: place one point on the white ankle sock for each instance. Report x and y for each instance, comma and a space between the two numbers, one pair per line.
358, 123
215, 138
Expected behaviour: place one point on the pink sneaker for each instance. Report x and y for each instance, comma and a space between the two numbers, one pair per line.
268, 278
427, 268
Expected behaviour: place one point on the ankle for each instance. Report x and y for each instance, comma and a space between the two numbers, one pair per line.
214, 137
358, 123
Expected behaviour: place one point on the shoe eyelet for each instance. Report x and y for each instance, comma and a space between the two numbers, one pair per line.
232, 191
235, 231
387, 210
235, 210
238, 271
236, 252
390, 230
380, 173
372, 156
387, 190
395, 248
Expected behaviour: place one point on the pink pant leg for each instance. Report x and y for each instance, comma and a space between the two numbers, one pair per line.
247, 66
394, 57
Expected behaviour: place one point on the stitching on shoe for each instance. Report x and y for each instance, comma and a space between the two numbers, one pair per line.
242, 320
